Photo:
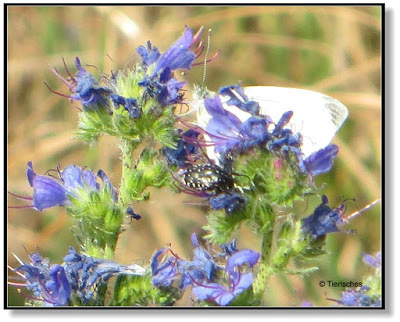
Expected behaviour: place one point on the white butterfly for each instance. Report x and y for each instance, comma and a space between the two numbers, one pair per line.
316, 116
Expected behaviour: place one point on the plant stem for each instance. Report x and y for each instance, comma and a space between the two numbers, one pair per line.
127, 148
265, 271
266, 222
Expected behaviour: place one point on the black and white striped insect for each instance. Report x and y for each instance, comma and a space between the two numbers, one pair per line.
207, 179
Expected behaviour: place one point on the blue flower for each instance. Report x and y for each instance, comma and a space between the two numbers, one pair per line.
238, 281
373, 261
359, 297
238, 98
239, 131
49, 192
163, 269
179, 55
166, 90
87, 273
129, 104
230, 201
185, 148
206, 273
323, 220
228, 132
321, 161
47, 284
85, 88
159, 82
80, 275
203, 266
149, 54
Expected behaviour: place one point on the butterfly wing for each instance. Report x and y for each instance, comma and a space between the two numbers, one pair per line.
316, 116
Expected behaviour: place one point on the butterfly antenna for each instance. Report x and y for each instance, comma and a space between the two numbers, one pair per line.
205, 58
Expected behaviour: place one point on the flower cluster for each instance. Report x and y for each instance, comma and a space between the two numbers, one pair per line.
159, 81
211, 280
231, 127
80, 275
148, 93
359, 297
230, 134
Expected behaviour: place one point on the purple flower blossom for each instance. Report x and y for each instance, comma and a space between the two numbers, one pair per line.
239, 131
238, 281
228, 132
49, 191
202, 267
373, 261
321, 161
149, 54
163, 269
166, 90
85, 88
86, 273
160, 82
230, 201
129, 104
359, 297
238, 98
179, 55
47, 284
223, 127
207, 276
323, 220
79, 274
185, 148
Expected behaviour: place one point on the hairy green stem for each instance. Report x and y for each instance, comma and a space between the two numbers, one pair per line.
127, 148
265, 272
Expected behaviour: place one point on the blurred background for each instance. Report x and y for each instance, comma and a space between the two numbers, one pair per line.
334, 50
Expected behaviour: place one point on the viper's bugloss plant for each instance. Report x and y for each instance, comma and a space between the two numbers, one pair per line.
244, 162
